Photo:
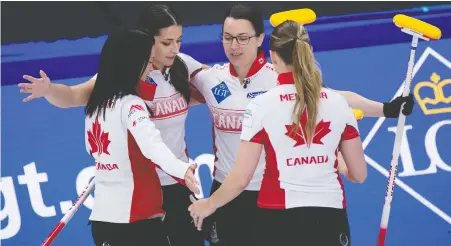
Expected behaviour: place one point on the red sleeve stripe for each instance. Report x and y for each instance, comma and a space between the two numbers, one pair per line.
258, 138
349, 133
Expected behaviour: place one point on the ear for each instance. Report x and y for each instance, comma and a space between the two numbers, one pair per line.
152, 53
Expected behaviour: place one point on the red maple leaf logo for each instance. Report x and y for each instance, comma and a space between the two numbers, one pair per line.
296, 136
98, 140
321, 130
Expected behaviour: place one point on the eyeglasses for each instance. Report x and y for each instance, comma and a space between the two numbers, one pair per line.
242, 39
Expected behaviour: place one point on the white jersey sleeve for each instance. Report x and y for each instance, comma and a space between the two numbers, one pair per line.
192, 64
148, 138
202, 79
351, 130
253, 123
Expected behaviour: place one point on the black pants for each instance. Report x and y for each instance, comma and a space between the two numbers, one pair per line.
310, 226
235, 221
178, 219
144, 232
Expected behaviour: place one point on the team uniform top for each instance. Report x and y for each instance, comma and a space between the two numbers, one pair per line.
127, 185
170, 111
298, 175
227, 99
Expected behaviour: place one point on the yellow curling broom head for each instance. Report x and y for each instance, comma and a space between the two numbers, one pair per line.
416, 25
301, 16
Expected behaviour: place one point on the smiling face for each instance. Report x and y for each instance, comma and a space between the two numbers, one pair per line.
240, 41
167, 46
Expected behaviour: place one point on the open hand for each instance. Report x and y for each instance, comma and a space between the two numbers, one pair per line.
190, 180
38, 87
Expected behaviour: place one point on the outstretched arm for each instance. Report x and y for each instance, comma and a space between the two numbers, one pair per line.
59, 95
369, 107
372, 108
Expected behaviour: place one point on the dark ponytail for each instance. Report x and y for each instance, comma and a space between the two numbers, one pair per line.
179, 78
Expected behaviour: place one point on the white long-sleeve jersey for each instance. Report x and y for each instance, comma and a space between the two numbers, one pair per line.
170, 110
126, 145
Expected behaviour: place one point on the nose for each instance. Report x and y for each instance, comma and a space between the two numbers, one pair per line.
175, 48
235, 44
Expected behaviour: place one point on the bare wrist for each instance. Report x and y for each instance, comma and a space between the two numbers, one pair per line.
48, 92
212, 203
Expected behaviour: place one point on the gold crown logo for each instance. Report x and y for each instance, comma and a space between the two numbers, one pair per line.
435, 105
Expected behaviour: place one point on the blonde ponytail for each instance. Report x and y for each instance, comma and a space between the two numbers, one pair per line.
308, 83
